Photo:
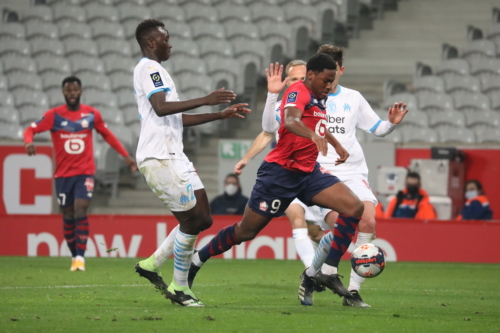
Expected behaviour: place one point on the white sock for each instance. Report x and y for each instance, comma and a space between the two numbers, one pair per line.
183, 251
356, 280
303, 246
196, 260
327, 269
315, 245
166, 248
80, 258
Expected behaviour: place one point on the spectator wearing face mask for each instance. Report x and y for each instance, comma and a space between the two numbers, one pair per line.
231, 202
477, 206
412, 202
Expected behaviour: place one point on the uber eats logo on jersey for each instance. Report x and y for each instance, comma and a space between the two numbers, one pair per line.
156, 79
333, 124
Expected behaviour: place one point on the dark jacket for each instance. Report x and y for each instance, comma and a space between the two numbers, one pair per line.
229, 204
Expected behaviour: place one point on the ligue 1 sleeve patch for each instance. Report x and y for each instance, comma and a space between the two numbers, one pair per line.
156, 79
292, 97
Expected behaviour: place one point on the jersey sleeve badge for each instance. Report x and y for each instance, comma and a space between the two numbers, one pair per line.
292, 97
157, 81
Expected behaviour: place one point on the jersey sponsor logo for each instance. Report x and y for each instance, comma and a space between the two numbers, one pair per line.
321, 127
263, 206
64, 123
89, 184
335, 120
331, 106
347, 107
366, 184
292, 97
73, 136
318, 114
156, 79
74, 146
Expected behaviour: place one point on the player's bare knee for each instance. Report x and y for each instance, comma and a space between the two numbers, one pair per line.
357, 209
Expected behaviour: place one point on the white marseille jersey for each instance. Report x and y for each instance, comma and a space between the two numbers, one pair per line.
347, 110
161, 137
278, 118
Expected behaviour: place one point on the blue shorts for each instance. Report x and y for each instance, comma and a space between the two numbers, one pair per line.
276, 187
70, 188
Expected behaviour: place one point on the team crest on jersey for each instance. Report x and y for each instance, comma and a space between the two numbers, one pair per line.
331, 106
292, 97
84, 123
89, 184
347, 107
263, 206
156, 79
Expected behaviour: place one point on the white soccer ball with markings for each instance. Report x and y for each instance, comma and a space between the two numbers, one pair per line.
368, 261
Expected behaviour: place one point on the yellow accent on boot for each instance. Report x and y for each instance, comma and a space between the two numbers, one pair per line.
73, 265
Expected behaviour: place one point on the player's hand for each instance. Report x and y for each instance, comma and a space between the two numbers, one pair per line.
320, 143
396, 113
219, 96
30, 149
234, 111
238, 168
343, 155
132, 164
274, 83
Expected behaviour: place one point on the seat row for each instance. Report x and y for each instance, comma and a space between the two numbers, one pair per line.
442, 134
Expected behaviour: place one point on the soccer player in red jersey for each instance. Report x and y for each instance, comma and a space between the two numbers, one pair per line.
71, 130
290, 171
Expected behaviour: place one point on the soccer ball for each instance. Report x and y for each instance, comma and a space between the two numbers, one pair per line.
368, 261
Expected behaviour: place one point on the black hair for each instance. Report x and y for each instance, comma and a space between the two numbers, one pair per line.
336, 52
475, 182
233, 175
319, 62
72, 79
413, 174
145, 28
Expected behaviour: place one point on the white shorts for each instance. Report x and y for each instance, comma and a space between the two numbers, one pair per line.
173, 181
317, 215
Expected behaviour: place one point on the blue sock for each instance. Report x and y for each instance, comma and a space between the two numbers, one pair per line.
345, 228
223, 241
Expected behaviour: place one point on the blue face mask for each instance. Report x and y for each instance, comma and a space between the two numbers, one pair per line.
470, 194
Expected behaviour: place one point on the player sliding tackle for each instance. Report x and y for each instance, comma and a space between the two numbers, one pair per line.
290, 171
162, 161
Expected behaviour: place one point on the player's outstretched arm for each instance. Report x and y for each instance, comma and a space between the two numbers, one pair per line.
294, 124
274, 85
164, 108
258, 145
236, 110
343, 154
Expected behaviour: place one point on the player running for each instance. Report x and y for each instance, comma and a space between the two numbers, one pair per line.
162, 161
271, 120
71, 128
291, 170
346, 111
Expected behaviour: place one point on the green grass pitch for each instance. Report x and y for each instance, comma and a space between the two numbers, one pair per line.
42, 295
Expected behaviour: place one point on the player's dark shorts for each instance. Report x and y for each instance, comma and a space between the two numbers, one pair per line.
276, 187
77, 187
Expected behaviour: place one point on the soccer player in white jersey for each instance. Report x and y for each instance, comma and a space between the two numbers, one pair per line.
162, 161
346, 111
295, 70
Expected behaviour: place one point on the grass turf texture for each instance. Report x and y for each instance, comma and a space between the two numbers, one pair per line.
41, 294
